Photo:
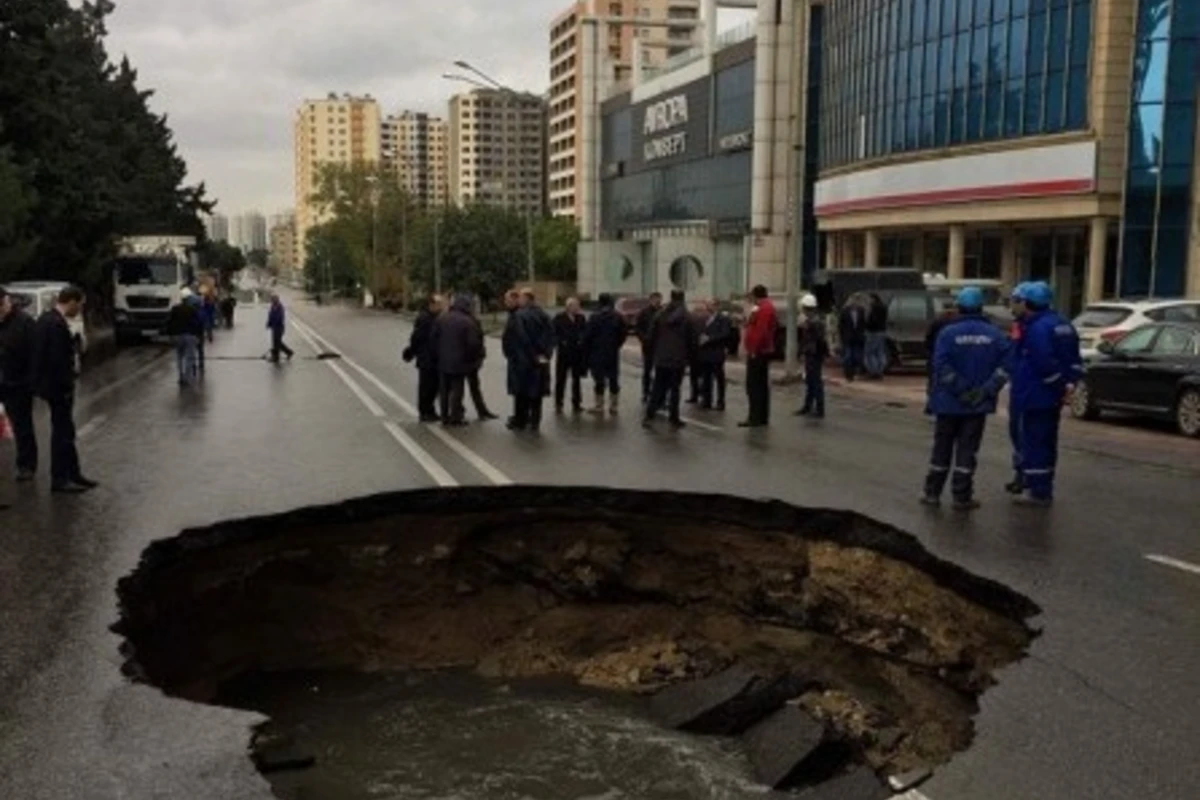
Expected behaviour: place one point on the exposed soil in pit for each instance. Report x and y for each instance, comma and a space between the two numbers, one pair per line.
887, 645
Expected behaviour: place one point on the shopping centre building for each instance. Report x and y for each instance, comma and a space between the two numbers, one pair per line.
1010, 139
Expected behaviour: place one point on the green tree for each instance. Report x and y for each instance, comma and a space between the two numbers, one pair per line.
258, 258
222, 258
328, 264
16, 204
555, 247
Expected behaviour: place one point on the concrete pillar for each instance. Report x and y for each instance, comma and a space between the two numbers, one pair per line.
1008, 259
871, 249
788, 89
762, 172
708, 14
635, 62
956, 264
919, 251
1093, 288
831, 245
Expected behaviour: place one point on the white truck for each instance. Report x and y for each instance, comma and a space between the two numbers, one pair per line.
148, 274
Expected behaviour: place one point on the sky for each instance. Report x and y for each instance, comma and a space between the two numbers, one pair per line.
229, 74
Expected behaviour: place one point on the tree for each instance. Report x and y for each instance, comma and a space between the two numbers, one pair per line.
222, 258
328, 264
258, 258
555, 247
16, 204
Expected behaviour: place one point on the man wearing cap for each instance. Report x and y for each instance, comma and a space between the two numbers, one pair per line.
968, 373
1047, 367
185, 326
814, 345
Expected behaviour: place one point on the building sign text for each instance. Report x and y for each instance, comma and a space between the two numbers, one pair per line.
741, 140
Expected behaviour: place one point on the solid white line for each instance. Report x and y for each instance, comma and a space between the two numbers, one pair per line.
1167, 561
91, 427
465, 453
108, 388
708, 426
428, 463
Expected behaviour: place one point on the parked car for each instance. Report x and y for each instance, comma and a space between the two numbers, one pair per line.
1153, 371
1112, 320
38, 297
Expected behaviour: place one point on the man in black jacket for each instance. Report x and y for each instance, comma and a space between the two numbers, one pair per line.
419, 350
603, 339
16, 388
674, 343
852, 333
714, 348
528, 345
54, 382
458, 348
185, 326
568, 357
876, 354
643, 326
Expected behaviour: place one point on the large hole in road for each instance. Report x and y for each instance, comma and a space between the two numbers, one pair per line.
384, 635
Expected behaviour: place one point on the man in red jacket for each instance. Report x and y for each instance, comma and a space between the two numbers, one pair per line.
759, 345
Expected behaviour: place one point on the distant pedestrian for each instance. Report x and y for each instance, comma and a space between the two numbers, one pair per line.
187, 295
277, 325
762, 323
1048, 365
457, 343
528, 345
852, 334
969, 363
209, 312
643, 327
814, 346
674, 344
477, 399
421, 351
54, 381
228, 306
876, 355
16, 383
569, 363
603, 339
185, 328
713, 350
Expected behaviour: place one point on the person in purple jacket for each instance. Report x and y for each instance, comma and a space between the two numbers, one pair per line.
277, 323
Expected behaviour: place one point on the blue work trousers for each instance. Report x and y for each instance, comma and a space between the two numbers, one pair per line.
1039, 450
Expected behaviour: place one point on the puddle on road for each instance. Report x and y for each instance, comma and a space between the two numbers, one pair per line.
427, 736
886, 647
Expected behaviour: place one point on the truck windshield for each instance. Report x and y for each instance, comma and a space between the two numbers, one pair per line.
157, 271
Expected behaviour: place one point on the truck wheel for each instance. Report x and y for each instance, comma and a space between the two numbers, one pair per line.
1187, 413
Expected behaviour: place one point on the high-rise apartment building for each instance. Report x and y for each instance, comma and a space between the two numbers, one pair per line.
216, 227
284, 256
248, 231
497, 149
339, 129
653, 45
414, 149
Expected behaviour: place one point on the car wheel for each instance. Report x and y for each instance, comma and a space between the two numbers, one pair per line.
1082, 405
1187, 413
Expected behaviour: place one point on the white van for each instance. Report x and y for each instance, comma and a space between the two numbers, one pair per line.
37, 297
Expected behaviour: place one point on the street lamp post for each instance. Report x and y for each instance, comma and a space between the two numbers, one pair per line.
373, 182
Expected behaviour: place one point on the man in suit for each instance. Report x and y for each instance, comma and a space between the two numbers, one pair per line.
54, 382
16, 389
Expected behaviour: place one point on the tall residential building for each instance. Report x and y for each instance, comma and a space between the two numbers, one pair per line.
653, 46
414, 148
497, 149
248, 231
284, 256
339, 129
216, 227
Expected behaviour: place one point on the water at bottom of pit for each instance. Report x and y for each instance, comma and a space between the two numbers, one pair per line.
456, 736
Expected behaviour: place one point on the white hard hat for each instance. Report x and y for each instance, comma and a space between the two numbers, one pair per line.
808, 301
185, 292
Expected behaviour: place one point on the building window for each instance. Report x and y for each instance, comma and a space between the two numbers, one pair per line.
907, 75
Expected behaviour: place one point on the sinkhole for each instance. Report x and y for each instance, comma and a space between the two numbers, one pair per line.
632, 637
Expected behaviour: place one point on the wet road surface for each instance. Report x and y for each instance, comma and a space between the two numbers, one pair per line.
1104, 708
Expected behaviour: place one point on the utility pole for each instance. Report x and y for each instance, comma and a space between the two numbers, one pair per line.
795, 197
437, 254
529, 246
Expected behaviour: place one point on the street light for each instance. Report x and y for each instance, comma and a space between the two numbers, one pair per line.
373, 182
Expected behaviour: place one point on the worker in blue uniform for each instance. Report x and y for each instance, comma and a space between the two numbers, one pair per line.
1016, 304
1047, 367
969, 363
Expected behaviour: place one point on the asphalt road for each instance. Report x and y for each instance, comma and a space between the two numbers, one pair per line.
1104, 708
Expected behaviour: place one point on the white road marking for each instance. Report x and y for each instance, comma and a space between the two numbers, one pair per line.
708, 426
477, 461
109, 388
912, 794
91, 427
428, 463
1167, 561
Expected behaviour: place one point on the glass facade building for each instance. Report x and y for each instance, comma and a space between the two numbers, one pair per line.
1155, 228
908, 75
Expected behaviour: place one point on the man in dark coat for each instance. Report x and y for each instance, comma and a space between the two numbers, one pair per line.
603, 340
714, 347
674, 343
876, 353
568, 357
643, 327
54, 381
185, 326
698, 317
477, 398
852, 333
458, 348
528, 346
419, 350
16, 386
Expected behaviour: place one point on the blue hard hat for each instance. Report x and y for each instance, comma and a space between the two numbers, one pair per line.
1021, 291
970, 298
1039, 294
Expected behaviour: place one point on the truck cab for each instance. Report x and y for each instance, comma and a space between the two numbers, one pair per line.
147, 276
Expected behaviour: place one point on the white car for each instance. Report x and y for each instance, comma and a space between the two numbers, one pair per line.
38, 297
1111, 320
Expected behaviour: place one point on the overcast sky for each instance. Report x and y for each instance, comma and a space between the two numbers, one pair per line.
230, 73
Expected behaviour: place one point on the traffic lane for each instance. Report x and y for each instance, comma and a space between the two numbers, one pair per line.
254, 439
1117, 631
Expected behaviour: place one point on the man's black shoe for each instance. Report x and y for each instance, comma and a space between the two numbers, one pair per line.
86, 483
748, 423
513, 426
804, 412
67, 488
430, 418
678, 424
486, 416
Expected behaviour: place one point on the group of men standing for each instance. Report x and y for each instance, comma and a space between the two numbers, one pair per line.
972, 360
38, 360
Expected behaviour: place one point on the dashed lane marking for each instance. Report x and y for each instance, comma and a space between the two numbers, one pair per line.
94, 424
477, 461
94, 397
1176, 563
436, 471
